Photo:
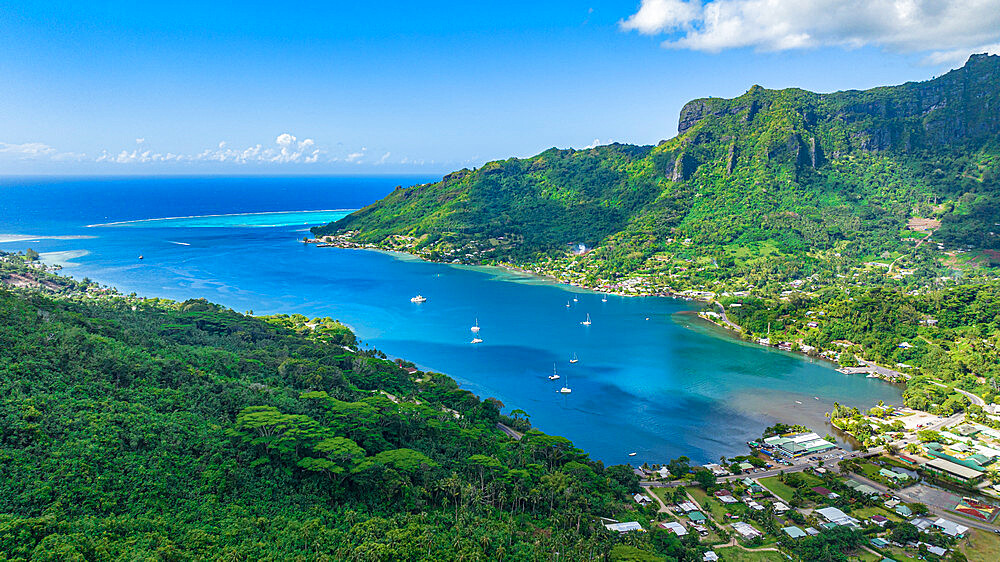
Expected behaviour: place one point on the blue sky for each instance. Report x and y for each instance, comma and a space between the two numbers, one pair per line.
364, 88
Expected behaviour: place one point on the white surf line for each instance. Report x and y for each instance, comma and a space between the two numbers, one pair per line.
221, 215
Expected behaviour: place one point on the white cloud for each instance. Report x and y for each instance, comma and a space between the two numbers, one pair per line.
140, 140
285, 139
28, 150
384, 158
355, 157
947, 29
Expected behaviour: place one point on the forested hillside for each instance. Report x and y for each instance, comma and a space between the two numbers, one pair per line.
138, 428
772, 176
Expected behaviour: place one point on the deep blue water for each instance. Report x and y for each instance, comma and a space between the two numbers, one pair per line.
650, 379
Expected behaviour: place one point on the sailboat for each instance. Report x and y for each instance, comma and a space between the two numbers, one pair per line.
574, 359
475, 327
476, 340
587, 321
576, 299
605, 299
554, 376
566, 389
567, 304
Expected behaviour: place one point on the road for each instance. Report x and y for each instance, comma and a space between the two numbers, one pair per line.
509, 431
972, 397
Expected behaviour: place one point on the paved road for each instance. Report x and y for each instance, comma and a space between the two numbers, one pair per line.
509, 431
972, 397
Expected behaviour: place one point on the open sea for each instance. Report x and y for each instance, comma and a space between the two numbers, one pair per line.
649, 380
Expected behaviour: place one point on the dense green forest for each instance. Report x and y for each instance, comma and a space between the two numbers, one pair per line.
135, 428
772, 176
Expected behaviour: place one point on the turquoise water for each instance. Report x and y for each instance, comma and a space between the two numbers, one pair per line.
650, 378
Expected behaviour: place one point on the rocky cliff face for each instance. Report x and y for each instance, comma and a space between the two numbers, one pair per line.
959, 107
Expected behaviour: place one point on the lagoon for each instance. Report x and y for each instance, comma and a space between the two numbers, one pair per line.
664, 386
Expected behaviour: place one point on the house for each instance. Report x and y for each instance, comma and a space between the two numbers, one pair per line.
746, 531
710, 556
716, 469
822, 491
891, 504
696, 516
642, 499
837, 517
674, 527
861, 488
794, 532
745, 466
811, 531
937, 550
879, 520
780, 508
922, 523
624, 527
725, 496
687, 506
893, 475
904, 511
754, 505
950, 528
879, 542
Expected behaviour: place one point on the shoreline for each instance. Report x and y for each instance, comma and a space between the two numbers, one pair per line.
338, 241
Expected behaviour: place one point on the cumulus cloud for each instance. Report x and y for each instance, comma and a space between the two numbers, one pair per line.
946, 29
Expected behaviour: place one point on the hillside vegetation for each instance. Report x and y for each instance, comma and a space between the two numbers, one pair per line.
138, 428
785, 178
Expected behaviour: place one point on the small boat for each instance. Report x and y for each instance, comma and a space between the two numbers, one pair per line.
554, 376
477, 340
574, 359
605, 299
587, 322
475, 328
567, 304
576, 299
140, 256
797, 402
419, 299
566, 389
631, 454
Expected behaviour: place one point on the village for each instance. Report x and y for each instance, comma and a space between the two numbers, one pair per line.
925, 505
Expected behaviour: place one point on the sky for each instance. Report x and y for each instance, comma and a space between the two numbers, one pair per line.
389, 87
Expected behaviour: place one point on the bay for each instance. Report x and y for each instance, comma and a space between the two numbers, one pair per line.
651, 378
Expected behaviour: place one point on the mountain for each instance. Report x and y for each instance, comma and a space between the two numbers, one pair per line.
785, 176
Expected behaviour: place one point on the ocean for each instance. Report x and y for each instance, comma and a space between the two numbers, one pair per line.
651, 378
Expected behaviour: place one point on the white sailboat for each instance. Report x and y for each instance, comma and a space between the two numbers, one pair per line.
587, 321
475, 327
554, 376
566, 389
576, 299
476, 340
574, 359
418, 299
605, 299
567, 304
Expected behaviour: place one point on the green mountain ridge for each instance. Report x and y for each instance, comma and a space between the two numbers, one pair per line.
768, 174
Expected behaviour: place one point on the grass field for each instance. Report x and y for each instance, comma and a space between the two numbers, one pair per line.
715, 507
981, 546
737, 554
866, 512
781, 489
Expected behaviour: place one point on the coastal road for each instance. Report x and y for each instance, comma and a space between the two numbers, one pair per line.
831, 462
509, 431
972, 397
